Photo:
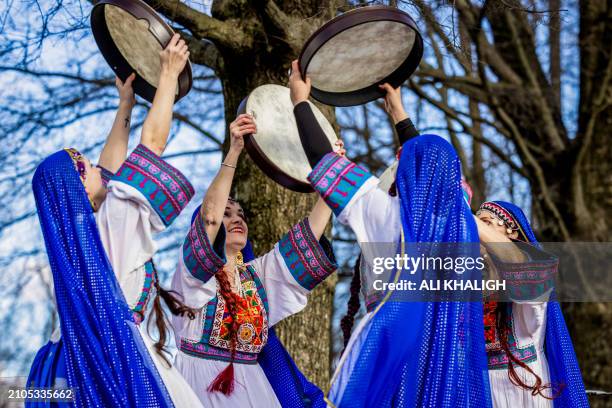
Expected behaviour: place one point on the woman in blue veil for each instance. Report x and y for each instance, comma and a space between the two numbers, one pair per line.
290, 385
404, 353
238, 301
539, 366
105, 357
106, 362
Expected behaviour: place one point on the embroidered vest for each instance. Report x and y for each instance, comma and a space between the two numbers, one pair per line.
496, 356
252, 316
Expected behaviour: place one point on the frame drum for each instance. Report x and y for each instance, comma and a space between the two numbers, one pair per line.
350, 55
130, 35
276, 147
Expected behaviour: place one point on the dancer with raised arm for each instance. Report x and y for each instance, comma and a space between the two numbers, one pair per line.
531, 359
237, 301
99, 240
402, 353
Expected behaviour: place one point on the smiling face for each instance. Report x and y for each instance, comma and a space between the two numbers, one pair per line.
493, 222
236, 227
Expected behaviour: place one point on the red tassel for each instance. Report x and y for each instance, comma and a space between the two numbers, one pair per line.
224, 381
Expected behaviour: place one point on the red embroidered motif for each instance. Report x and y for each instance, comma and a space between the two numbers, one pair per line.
252, 322
490, 325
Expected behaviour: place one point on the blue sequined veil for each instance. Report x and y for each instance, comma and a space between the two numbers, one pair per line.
105, 358
562, 362
422, 354
292, 388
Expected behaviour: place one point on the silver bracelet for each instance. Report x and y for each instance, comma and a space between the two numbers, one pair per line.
228, 165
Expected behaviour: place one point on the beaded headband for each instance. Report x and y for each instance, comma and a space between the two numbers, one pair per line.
78, 160
79, 165
504, 216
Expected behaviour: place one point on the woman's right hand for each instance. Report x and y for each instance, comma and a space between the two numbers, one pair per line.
244, 124
393, 103
174, 57
298, 87
125, 90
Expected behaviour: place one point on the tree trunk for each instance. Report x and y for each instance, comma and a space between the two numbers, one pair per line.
270, 208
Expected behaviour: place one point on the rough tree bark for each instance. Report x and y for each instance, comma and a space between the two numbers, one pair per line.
248, 44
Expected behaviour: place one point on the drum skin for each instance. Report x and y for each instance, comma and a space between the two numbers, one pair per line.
352, 54
130, 35
276, 147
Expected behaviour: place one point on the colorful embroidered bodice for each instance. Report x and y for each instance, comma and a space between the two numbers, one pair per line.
252, 316
496, 356
526, 281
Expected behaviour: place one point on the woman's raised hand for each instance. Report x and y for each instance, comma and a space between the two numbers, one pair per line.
125, 90
339, 149
242, 125
174, 57
299, 88
393, 103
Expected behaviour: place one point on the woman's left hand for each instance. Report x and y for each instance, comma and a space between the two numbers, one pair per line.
244, 124
126, 92
339, 148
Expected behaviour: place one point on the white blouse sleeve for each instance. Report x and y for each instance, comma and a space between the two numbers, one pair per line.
143, 198
353, 195
295, 266
198, 263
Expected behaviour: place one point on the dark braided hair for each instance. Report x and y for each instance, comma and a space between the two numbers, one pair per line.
176, 307
502, 325
353, 303
224, 382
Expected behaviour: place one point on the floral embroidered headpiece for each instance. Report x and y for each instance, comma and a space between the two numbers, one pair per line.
504, 216
79, 162
79, 165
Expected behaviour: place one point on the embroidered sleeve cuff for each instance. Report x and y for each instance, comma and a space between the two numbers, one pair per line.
166, 188
337, 179
305, 257
198, 253
107, 175
529, 280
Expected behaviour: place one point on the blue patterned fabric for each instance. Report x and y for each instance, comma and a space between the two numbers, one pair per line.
304, 256
292, 388
48, 371
199, 256
337, 179
562, 362
164, 186
422, 354
106, 360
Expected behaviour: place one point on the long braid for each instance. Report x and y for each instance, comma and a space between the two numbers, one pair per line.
176, 307
538, 388
224, 382
353, 303
503, 324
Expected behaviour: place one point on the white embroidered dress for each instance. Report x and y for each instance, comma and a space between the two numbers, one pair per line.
526, 329
143, 198
362, 202
274, 286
